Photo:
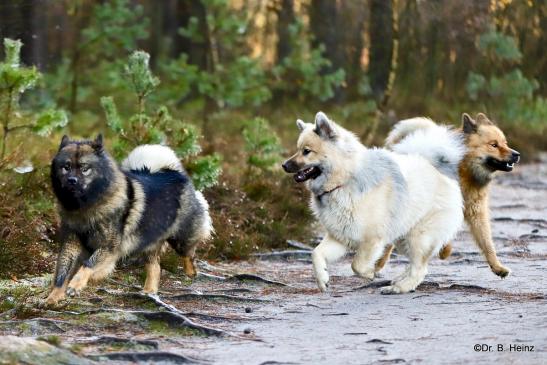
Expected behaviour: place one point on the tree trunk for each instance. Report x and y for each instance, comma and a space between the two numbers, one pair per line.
285, 17
381, 46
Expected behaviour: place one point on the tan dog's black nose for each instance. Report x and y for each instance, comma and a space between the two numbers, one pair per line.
515, 155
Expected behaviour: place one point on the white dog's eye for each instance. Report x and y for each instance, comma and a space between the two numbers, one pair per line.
306, 151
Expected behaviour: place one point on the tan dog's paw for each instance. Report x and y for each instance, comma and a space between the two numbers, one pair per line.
445, 251
501, 271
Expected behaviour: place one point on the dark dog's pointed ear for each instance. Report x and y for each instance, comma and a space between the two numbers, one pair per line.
468, 124
300, 124
324, 127
64, 141
97, 144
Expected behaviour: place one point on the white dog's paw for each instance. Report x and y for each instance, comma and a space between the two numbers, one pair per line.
322, 278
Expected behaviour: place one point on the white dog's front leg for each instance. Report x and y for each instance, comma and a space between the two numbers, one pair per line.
327, 252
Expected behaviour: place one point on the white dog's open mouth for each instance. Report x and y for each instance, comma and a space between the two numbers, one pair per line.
307, 173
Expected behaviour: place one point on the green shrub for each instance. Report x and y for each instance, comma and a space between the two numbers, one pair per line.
16, 79
158, 127
262, 145
301, 72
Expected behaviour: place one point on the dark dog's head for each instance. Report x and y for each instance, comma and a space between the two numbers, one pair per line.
81, 172
487, 146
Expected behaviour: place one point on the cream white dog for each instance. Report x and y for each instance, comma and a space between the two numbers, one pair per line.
368, 198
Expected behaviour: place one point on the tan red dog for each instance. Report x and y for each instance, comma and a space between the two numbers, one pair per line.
486, 153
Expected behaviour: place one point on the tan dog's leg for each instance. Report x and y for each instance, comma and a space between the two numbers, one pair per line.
445, 251
382, 261
478, 218
153, 273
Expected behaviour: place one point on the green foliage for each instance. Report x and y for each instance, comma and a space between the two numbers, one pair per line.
231, 78
302, 69
92, 66
14, 81
137, 71
508, 92
499, 46
159, 127
261, 144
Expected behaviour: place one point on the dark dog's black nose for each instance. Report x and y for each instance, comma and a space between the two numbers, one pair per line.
72, 180
515, 155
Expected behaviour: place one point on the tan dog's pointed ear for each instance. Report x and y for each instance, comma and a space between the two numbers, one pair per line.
300, 124
483, 119
468, 124
324, 127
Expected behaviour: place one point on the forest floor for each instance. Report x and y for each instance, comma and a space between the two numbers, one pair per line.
224, 317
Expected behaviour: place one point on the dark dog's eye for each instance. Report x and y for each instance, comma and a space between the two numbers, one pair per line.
495, 145
86, 169
66, 167
306, 151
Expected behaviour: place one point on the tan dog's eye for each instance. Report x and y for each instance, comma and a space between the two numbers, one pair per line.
306, 151
495, 145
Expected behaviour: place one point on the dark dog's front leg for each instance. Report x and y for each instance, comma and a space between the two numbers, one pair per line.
68, 261
101, 263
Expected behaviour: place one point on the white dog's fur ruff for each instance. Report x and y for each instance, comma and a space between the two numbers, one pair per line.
373, 198
153, 157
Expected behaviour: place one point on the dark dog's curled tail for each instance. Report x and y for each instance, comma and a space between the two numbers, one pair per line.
153, 157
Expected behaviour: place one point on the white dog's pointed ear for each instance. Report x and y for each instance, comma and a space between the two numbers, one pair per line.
468, 124
300, 124
324, 127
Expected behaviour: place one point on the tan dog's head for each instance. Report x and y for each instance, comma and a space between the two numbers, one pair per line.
487, 146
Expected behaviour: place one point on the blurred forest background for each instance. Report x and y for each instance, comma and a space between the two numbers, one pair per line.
222, 81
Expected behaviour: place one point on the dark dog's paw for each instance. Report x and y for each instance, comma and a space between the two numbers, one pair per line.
72, 292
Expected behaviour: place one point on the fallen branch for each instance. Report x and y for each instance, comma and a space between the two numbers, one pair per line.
287, 254
254, 277
139, 357
111, 340
192, 296
299, 245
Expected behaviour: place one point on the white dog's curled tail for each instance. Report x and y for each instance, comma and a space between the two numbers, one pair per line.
443, 147
153, 157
